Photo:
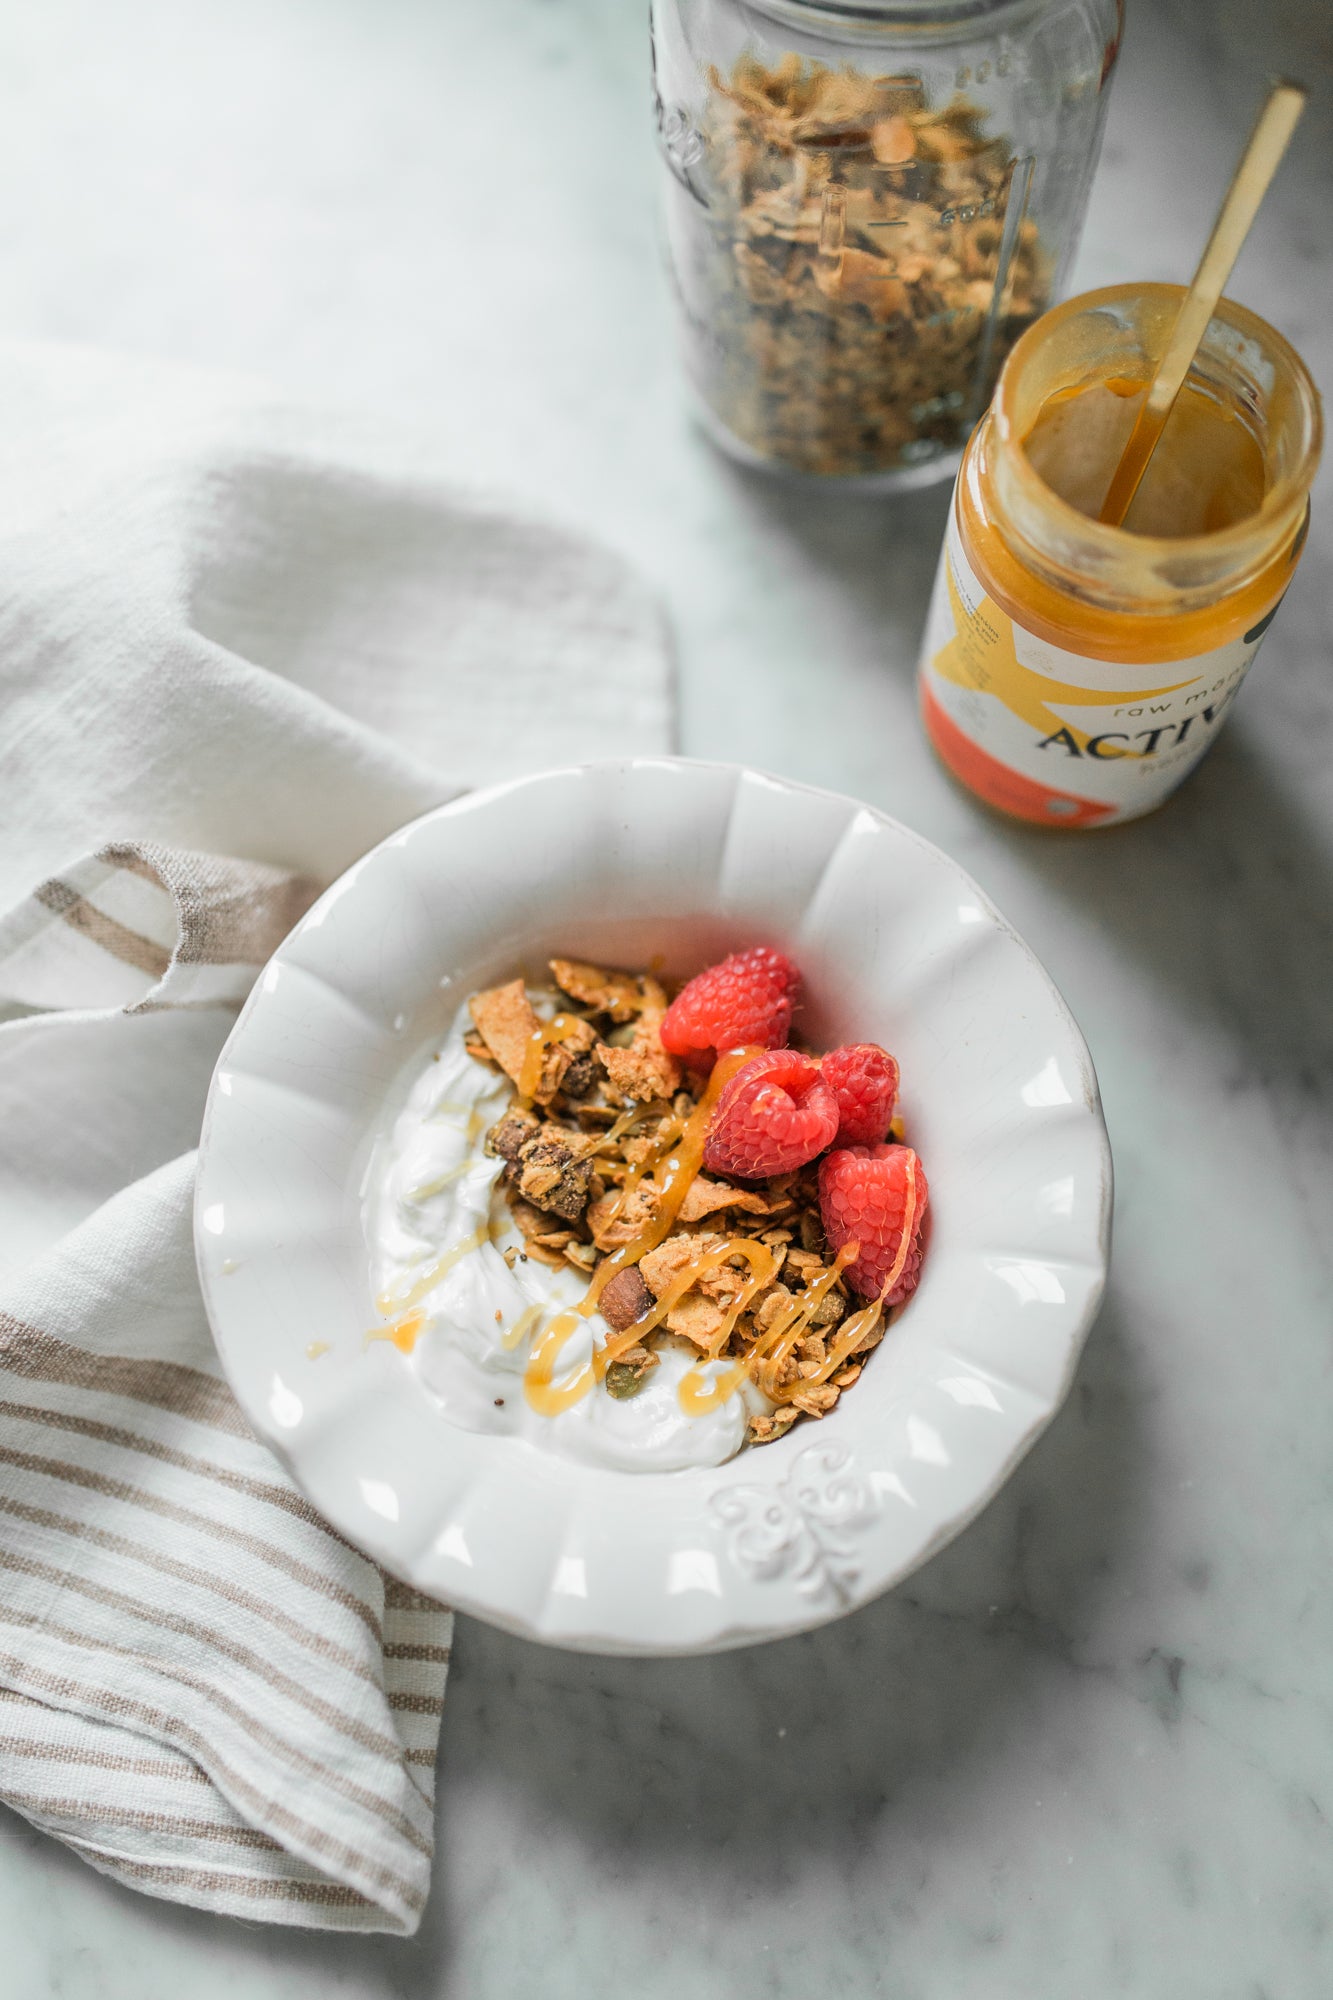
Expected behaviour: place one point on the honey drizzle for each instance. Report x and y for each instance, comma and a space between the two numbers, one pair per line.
390, 1303
402, 1332
538, 1385
538, 1377
476, 1117
636, 1172
697, 1394
428, 1189
854, 1330
613, 1132
527, 1319
543, 1037
678, 1172
792, 1325
763, 1268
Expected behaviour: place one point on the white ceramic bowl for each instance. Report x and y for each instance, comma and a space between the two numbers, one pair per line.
623, 862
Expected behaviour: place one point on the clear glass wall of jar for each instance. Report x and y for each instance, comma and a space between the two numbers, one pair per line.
867, 203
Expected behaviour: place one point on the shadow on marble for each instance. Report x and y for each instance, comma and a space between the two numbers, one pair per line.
753, 1766
1225, 898
879, 551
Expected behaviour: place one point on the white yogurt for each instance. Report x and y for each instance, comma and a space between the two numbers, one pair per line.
431, 1189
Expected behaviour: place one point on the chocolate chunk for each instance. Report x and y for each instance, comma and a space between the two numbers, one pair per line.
508, 1138
553, 1178
624, 1300
581, 1075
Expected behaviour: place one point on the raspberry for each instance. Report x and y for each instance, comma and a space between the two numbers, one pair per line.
864, 1079
775, 1114
869, 1195
746, 1001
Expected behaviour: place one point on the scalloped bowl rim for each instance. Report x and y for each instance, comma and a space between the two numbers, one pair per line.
784, 1537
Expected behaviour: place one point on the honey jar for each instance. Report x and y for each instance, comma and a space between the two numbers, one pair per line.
1073, 673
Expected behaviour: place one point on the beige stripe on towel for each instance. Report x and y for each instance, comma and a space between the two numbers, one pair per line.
142, 927
278, 1708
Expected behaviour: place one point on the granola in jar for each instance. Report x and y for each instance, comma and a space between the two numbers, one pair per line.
858, 279
868, 202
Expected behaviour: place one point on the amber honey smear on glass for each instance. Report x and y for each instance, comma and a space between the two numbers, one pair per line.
1206, 474
1075, 670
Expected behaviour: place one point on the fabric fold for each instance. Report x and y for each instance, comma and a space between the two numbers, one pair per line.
138, 925
230, 660
162, 1575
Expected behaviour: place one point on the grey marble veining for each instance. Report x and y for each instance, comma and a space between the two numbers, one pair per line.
1088, 1751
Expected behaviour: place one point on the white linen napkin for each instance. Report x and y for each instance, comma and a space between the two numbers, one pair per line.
235, 650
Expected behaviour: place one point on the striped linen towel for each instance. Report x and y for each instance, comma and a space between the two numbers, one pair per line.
231, 657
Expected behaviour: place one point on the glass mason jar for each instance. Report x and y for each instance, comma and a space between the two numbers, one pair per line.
867, 203
1073, 673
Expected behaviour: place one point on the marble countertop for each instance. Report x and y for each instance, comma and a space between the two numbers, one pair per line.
1089, 1749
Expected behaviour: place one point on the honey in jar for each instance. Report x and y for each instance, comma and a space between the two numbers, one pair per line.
1072, 672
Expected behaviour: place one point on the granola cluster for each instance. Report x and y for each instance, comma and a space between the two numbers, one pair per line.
605, 1105
848, 296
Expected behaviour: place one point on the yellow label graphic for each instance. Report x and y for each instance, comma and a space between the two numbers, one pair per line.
981, 655
1060, 736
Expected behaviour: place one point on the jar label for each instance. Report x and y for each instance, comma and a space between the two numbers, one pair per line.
1060, 737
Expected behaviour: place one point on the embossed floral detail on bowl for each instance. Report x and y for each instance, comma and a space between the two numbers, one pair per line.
621, 863
806, 1525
